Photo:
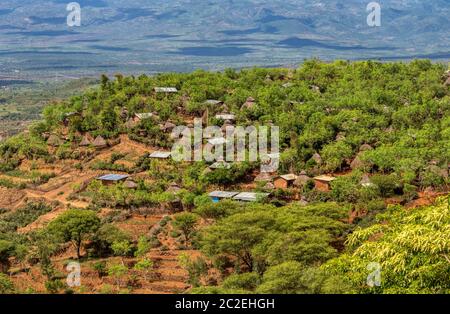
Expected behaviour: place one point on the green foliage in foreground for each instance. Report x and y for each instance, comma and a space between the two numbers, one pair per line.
411, 248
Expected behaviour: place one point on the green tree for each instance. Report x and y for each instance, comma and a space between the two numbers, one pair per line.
76, 226
186, 223
145, 265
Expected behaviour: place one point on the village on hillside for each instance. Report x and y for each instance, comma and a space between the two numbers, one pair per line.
101, 163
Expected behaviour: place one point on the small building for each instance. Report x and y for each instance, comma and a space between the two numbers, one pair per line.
357, 162
264, 177
226, 117
173, 188
249, 104
130, 184
85, 141
285, 181
160, 155
142, 116
99, 142
250, 196
167, 90
365, 147
317, 158
54, 140
167, 127
323, 183
217, 196
213, 102
221, 164
110, 179
67, 116
302, 179
447, 82
365, 181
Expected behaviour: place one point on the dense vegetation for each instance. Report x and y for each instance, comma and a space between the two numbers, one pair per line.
386, 121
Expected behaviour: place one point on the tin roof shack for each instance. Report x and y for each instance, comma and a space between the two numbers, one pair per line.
160, 155
323, 183
166, 90
250, 196
217, 196
220, 165
213, 102
110, 179
285, 181
142, 116
226, 117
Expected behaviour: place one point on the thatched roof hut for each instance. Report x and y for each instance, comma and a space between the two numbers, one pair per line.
173, 188
168, 126
302, 179
264, 177
99, 142
85, 141
357, 163
317, 158
365, 181
130, 184
447, 82
249, 104
54, 140
365, 147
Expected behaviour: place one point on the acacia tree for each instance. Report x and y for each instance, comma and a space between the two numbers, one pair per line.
76, 226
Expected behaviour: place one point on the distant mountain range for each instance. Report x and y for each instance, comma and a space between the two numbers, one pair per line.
181, 35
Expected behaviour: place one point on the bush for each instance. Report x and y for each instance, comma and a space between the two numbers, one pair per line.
246, 281
388, 184
6, 285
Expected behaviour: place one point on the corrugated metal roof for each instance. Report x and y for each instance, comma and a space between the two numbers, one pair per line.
113, 177
250, 196
166, 90
220, 165
213, 102
226, 116
162, 155
289, 177
145, 115
222, 194
325, 178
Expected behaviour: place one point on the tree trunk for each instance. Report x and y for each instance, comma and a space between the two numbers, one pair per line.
78, 249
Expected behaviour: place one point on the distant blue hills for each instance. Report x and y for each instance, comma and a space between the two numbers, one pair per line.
178, 35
